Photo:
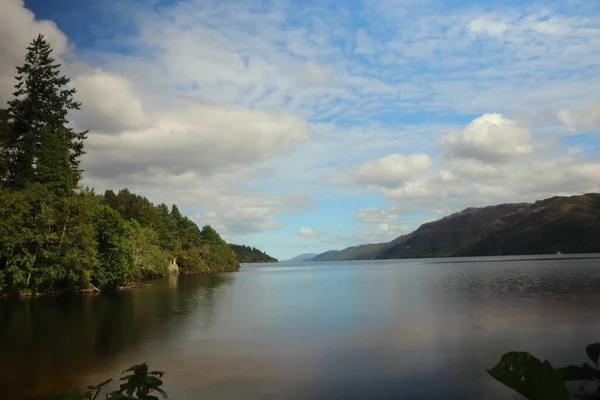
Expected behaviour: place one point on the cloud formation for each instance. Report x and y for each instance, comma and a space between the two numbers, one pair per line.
584, 119
18, 26
195, 138
491, 138
307, 232
112, 105
492, 160
389, 172
243, 213
242, 112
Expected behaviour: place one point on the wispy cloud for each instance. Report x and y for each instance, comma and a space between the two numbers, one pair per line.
307, 232
244, 111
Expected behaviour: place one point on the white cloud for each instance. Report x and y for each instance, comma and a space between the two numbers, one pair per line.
379, 225
246, 213
473, 170
372, 233
577, 120
389, 172
194, 137
505, 59
528, 180
364, 43
414, 190
307, 232
447, 176
316, 73
376, 215
392, 216
111, 102
18, 27
489, 27
492, 160
490, 138
517, 26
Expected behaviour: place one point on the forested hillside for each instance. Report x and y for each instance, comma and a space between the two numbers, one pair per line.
302, 257
247, 254
56, 235
565, 224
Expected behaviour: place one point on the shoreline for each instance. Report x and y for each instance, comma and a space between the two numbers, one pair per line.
144, 282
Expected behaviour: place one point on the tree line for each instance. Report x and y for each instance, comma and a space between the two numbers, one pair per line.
248, 254
56, 235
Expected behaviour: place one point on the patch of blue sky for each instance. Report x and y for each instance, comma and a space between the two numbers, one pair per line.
587, 142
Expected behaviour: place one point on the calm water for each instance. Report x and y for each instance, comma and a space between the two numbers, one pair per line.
350, 330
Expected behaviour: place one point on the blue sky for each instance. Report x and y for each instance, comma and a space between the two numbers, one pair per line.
303, 126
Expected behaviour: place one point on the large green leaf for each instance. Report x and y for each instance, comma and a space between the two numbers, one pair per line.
530, 377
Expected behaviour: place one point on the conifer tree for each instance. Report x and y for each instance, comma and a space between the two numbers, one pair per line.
37, 118
4, 156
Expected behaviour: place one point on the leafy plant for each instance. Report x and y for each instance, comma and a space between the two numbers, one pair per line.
140, 384
537, 380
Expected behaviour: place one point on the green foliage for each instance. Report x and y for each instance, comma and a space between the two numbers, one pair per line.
37, 123
247, 254
174, 236
537, 380
46, 242
78, 247
208, 253
26, 236
53, 161
115, 250
215, 251
56, 236
149, 259
134, 207
5, 138
49, 242
139, 384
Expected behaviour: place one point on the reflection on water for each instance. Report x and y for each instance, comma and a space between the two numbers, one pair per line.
353, 330
50, 343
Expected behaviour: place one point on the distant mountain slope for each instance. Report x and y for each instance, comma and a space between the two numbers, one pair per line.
247, 254
301, 257
566, 224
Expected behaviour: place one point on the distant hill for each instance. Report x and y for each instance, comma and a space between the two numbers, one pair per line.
565, 224
301, 257
247, 254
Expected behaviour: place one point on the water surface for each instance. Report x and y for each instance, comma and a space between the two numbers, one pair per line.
392, 329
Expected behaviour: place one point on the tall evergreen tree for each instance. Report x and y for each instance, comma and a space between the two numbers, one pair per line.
4, 155
37, 118
53, 167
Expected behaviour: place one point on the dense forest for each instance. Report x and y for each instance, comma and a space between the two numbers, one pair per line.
247, 254
564, 224
58, 236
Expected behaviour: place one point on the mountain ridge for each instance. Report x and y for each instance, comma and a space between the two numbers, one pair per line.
301, 257
567, 224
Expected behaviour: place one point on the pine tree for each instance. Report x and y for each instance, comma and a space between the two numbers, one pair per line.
175, 213
4, 155
37, 118
53, 162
